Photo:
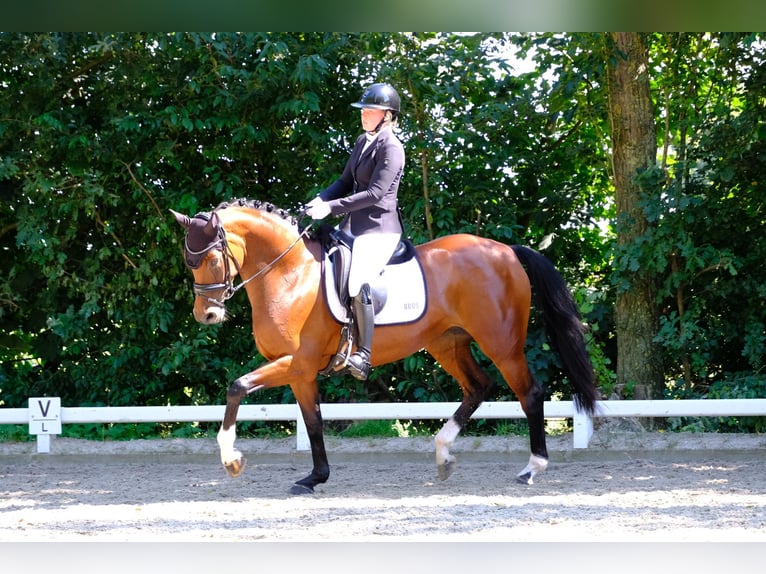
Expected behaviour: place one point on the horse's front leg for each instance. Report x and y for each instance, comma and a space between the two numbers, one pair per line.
307, 396
233, 460
273, 374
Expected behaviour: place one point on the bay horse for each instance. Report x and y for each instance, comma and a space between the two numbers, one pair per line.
478, 290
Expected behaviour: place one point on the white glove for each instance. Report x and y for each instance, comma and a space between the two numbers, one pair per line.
317, 208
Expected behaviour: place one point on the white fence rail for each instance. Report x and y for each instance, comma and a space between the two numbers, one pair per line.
39, 411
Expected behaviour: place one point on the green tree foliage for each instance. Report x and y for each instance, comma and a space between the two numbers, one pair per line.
100, 134
708, 205
704, 200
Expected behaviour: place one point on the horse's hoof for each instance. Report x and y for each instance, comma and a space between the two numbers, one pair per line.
537, 464
446, 469
525, 478
301, 489
235, 467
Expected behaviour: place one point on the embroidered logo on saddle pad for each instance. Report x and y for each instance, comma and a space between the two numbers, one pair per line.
398, 294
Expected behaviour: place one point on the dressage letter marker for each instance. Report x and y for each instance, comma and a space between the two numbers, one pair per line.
44, 420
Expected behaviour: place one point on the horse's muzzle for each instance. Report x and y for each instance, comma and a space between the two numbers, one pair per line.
207, 313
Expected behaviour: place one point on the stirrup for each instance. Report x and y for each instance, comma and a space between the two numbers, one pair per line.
358, 366
340, 360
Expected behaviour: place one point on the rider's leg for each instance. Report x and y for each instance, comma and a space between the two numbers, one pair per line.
359, 362
370, 254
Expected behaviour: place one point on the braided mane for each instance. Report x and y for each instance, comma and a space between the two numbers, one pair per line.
259, 205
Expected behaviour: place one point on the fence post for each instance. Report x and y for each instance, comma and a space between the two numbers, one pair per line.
302, 442
44, 443
583, 429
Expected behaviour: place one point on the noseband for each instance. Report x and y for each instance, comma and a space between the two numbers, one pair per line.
194, 260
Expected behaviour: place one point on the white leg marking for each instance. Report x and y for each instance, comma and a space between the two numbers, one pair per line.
226, 440
537, 464
444, 440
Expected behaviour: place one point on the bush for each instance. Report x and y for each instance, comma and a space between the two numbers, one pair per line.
733, 386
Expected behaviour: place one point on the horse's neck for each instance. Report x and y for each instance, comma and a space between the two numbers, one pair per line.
265, 238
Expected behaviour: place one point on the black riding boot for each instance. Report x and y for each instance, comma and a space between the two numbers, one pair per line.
359, 362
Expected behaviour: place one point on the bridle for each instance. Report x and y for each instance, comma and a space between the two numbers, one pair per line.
194, 260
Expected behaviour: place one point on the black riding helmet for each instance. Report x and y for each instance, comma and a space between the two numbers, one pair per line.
380, 97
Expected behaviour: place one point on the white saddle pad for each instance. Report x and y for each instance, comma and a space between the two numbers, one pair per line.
406, 287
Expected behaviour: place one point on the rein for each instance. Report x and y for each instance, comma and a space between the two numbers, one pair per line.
228, 287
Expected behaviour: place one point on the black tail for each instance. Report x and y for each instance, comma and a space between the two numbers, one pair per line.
563, 324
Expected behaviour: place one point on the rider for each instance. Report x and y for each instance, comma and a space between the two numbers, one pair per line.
366, 194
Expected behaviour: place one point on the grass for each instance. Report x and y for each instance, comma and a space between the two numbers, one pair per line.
281, 429
399, 428
151, 431
15, 433
379, 428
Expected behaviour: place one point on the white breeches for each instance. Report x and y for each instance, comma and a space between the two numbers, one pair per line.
370, 254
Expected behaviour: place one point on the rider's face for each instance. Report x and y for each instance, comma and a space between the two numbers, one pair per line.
371, 118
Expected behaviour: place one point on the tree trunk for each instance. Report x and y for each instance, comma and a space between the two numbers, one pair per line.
634, 148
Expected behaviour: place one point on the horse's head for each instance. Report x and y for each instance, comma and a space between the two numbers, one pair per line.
213, 265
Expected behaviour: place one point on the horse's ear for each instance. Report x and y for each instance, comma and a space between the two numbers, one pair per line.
184, 220
211, 229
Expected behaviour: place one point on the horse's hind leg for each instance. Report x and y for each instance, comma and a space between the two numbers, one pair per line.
516, 373
453, 352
